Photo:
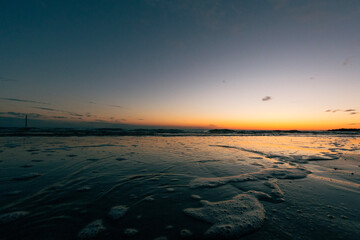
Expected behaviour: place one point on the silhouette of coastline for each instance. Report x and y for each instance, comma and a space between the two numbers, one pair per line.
158, 132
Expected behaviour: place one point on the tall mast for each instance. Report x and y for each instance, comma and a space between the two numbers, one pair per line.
26, 123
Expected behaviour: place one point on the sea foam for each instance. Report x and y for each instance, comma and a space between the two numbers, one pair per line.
279, 173
92, 230
117, 212
232, 218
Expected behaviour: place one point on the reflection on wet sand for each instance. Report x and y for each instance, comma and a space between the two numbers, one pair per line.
192, 187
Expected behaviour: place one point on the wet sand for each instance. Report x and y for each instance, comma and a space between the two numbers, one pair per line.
187, 187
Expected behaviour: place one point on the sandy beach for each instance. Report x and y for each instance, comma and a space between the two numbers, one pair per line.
183, 187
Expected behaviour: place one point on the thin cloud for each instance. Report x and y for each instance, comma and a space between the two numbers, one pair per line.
348, 60
333, 110
59, 117
19, 114
75, 114
108, 105
60, 111
71, 113
22, 100
46, 109
116, 106
267, 98
351, 111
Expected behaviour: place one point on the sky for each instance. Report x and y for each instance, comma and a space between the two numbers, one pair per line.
250, 64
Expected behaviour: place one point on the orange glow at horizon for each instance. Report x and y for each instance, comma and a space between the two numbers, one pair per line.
311, 125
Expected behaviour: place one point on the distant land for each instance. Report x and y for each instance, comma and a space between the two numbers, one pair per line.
13, 131
345, 130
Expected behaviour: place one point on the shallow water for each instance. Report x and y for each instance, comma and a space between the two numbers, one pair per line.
189, 187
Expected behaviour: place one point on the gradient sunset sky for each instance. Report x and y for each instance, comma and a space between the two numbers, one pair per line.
249, 64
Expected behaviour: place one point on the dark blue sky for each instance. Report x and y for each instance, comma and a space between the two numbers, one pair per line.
181, 63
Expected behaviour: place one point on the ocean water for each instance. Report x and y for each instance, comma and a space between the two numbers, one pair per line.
180, 187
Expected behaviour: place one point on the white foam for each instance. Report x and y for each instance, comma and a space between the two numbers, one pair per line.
217, 181
194, 196
185, 233
130, 232
117, 212
92, 230
232, 218
283, 173
12, 216
259, 195
307, 158
276, 192
280, 173
149, 198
